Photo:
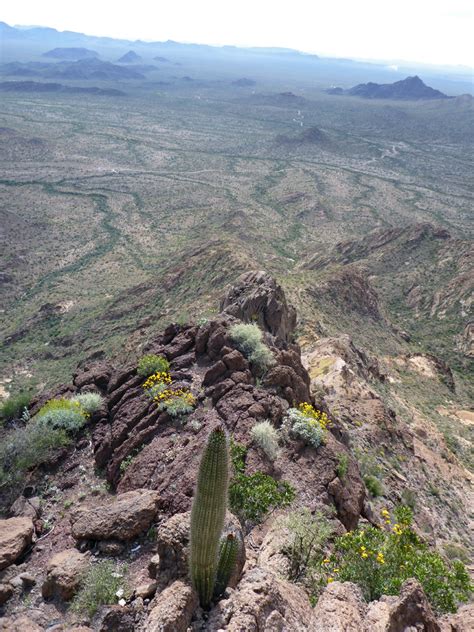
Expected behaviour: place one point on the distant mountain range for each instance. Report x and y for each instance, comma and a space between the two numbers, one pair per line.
80, 69
36, 86
71, 53
410, 88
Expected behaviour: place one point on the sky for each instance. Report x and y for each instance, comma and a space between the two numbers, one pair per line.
428, 31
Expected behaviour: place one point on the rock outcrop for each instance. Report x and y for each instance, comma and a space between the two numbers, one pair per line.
172, 610
16, 535
123, 519
64, 574
256, 297
262, 601
341, 608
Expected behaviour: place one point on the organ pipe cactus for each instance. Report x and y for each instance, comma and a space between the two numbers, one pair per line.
208, 515
228, 552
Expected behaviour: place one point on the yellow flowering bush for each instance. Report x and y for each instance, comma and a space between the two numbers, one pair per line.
306, 423
176, 402
380, 560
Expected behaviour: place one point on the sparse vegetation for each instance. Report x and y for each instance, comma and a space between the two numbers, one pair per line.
374, 486
306, 424
89, 402
252, 496
342, 466
152, 363
99, 587
13, 407
249, 340
265, 437
304, 547
25, 448
380, 560
62, 414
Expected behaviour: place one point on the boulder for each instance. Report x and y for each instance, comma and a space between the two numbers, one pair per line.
262, 601
19, 624
173, 549
16, 535
172, 609
64, 574
462, 621
340, 608
26, 507
124, 518
410, 610
257, 297
115, 619
6, 591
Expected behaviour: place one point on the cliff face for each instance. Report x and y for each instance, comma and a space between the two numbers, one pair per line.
125, 491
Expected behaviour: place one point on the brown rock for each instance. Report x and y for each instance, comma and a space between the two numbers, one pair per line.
462, 621
172, 610
27, 507
15, 535
235, 361
411, 610
256, 297
145, 591
6, 591
19, 624
173, 548
214, 373
123, 519
115, 619
64, 574
262, 601
340, 608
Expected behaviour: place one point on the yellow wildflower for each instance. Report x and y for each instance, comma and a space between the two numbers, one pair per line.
385, 513
397, 529
326, 561
380, 558
330, 579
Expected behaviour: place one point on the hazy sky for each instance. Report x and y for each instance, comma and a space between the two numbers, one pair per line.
430, 31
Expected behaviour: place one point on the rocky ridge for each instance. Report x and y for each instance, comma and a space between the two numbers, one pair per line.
150, 465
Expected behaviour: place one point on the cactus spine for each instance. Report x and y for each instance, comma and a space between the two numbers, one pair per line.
228, 551
208, 515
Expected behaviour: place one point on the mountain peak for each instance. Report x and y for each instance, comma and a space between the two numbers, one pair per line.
410, 88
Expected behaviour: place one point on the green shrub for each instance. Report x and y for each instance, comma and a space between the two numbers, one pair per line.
266, 437
13, 407
177, 403
374, 486
24, 449
249, 340
455, 551
89, 401
252, 496
307, 424
380, 560
304, 546
342, 465
98, 587
151, 363
62, 414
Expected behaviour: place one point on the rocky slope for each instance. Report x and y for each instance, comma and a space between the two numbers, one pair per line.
125, 493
